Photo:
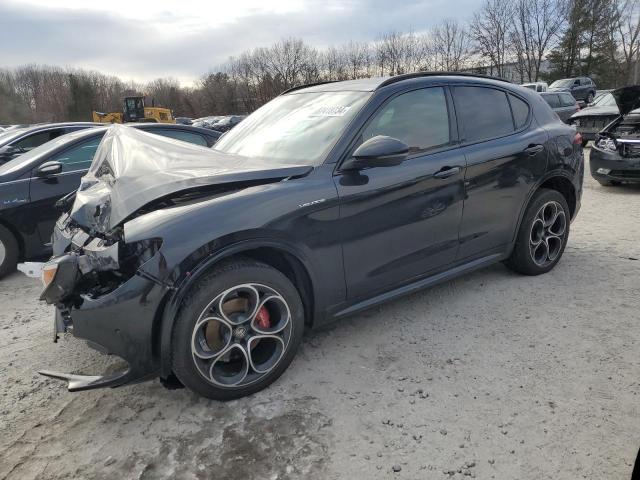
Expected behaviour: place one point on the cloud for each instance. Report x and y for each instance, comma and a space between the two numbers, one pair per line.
184, 46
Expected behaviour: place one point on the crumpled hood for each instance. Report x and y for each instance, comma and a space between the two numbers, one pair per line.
132, 168
627, 98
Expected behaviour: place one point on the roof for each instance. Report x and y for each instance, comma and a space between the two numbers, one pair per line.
374, 83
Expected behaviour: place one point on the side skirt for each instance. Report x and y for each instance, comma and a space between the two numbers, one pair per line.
421, 284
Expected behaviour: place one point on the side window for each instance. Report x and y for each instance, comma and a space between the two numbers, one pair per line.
552, 100
78, 157
37, 139
567, 100
485, 112
189, 137
520, 111
418, 118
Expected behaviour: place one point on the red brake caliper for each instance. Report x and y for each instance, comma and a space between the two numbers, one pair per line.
263, 318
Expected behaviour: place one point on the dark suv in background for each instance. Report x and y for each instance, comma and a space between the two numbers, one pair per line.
562, 103
206, 266
582, 88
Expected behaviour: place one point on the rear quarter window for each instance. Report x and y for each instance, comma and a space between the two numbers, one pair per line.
485, 112
520, 110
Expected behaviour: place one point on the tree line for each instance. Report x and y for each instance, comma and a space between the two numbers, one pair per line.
524, 40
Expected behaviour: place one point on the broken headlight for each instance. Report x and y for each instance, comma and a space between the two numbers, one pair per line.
607, 144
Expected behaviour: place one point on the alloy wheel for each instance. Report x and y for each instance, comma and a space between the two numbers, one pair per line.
241, 335
547, 234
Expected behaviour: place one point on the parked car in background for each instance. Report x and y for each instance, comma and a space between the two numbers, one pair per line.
615, 155
227, 123
328, 200
582, 88
31, 184
590, 120
536, 86
206, 122
184, 120
16, 141
562, 103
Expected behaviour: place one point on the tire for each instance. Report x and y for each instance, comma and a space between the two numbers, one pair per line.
223, 344
541, 231
8, 252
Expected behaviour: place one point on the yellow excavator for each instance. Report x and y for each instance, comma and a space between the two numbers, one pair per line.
135, 111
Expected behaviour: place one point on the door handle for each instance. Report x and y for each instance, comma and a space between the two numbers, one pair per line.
446, 172
533, 149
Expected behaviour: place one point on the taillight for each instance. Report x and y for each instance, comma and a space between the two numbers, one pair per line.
577, 139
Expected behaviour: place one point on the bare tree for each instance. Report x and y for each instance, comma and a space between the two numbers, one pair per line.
490, 30
535, 28
628, 27
450, 46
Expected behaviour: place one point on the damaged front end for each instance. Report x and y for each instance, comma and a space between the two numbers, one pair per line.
615, 157
113, 256
95, 283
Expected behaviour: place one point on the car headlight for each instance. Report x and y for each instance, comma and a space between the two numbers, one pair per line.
49, 271
607, 144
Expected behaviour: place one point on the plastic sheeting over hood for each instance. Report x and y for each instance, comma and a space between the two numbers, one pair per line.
132, 168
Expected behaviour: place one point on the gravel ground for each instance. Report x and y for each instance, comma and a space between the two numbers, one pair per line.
493, 375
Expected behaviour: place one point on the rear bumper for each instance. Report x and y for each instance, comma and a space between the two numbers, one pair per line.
608, 166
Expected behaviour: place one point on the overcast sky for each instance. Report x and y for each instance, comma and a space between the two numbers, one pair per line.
184, 39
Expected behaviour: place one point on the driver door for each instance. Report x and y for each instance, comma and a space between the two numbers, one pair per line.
401, 222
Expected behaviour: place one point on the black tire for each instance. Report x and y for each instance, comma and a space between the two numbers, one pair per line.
522, 258
213, 286
8, 252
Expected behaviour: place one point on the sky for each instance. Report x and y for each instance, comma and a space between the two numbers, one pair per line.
184, 39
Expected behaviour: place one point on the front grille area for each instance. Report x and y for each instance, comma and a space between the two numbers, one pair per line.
630, 149
628, 174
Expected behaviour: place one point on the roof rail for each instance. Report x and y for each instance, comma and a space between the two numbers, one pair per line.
407, 76
306, 85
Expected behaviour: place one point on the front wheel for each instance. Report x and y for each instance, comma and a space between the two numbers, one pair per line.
543, 234
237, 331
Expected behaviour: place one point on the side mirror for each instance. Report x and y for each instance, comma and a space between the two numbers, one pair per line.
379, 151
48, 168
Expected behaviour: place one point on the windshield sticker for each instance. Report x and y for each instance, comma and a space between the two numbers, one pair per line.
330, 111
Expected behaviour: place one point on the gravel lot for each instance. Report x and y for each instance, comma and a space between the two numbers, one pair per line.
493, 375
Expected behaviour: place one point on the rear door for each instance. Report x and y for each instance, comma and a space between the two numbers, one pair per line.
400, 222
506, 153
45, 191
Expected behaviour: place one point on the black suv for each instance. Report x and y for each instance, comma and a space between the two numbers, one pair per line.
205, 267
582, 88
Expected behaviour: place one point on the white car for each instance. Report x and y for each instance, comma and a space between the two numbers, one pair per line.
536, 86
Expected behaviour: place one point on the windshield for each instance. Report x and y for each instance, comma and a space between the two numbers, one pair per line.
605, 100
294, 128
565, 82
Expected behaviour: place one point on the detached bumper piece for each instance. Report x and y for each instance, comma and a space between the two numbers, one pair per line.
78, 383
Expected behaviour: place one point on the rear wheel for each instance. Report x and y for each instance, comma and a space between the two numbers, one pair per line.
543, 234
237, 331
8, 252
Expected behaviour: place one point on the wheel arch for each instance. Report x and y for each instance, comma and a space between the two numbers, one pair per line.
19, 238
557, 181
284, 258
